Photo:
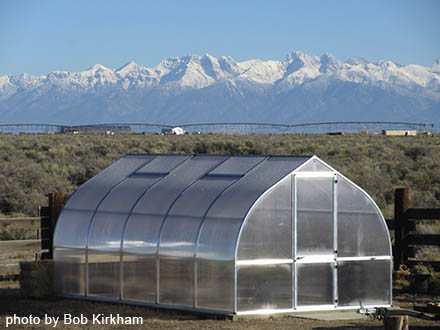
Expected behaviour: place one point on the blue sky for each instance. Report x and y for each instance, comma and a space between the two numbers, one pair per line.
42, 36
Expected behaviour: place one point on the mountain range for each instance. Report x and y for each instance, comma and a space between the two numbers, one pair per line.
195, 89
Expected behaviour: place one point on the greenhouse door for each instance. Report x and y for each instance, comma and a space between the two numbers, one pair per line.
314, 240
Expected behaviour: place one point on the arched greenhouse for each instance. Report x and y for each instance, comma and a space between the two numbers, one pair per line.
224, 234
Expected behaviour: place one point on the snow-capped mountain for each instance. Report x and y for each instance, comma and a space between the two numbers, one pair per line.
205, 88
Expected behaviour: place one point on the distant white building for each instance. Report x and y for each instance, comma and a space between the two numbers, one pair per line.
399, 133
173, 130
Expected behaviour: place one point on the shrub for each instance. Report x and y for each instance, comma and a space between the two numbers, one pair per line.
32, 166
36, 278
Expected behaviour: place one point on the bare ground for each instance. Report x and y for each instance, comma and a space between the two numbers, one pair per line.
11, 302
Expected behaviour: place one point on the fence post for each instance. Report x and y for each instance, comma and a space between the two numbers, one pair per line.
401, 204
56, 204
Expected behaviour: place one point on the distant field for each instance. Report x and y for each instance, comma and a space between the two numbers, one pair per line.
34, 165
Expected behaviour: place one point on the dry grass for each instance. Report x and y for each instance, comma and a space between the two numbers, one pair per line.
36, 278
12, 303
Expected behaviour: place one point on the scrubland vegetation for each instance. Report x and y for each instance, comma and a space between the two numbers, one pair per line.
34, 165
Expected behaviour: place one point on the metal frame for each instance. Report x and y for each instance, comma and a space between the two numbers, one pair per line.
294, 241
317, 259
335, 238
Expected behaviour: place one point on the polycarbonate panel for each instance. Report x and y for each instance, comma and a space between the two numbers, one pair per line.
123, 197
104, 253
237, 165
163, 164
361, 230
314, 193
70, 271
139, 277
217, 238
103, 270
71, 230
139, 258
72, 226
314, 284
365, 281
176, 281
144, 223
267, 232
228, 212
141, 235
215, 285
106, 233
180, 228
264, 287
315, 165
160, 198
70, 252
219, 233
314, 215
88, 196
179, 233
106, 230
108, 223
361, 235
315, 233
351, 198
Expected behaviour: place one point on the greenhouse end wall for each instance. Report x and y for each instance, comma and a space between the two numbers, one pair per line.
224, 234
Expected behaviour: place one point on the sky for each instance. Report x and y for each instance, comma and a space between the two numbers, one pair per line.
41, 36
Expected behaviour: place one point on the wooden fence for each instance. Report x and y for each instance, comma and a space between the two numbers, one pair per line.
12, 251
405, 238
40, 247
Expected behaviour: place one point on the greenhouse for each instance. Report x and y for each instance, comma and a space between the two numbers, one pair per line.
224, 234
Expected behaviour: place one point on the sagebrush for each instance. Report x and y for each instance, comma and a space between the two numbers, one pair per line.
32, 166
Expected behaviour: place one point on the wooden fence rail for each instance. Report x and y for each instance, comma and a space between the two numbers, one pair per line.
41, 247
20, 245
406, 240
19, 223
12, 251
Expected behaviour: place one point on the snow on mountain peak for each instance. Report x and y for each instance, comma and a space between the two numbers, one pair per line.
228, 64
297, 59
194, 71
436, 66
210, 57
329, 63
211, 67
131, 68
177, 88
97, 68
295, 55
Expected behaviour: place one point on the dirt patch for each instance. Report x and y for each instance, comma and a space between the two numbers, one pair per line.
12, 303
